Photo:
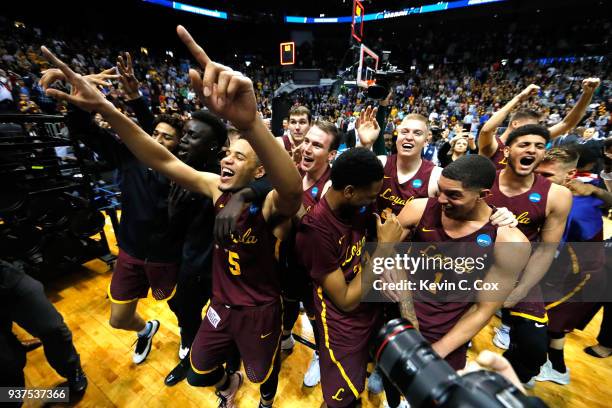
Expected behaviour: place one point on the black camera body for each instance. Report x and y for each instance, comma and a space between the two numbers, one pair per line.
426, 380
384, 77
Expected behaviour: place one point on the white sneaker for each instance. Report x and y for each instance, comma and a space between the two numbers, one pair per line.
403, 404
313, 374
375, 382
288, 343
143, 343
548, 373
502, 336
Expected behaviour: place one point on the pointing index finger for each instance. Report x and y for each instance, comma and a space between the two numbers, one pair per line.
197, 51
70, 75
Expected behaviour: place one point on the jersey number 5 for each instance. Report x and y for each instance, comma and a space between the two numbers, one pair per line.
233, 260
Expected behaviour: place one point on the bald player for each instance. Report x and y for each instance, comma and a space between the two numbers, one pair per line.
492, 146
542, 209
245, 308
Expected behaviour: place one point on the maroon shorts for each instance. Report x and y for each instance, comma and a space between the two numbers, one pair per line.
343, 374
343, 353
133, 277
568, 316
254, 330
532, 306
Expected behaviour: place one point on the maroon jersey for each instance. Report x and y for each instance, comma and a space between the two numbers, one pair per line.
498, 158
394, 195
528, 207
313, 194
246, 272
436, 318
324, 243
287, 144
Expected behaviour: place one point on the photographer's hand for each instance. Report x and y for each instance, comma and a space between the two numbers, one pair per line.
488, 360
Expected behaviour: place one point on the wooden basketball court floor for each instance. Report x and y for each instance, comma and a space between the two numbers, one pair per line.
114, 381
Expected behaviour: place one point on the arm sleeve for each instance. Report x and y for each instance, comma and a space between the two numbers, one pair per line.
259, 190
381, 118
143, 113
443, 153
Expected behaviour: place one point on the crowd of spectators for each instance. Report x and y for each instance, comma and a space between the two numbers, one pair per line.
447, 85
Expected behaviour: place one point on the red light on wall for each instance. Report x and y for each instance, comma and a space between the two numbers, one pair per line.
287, 53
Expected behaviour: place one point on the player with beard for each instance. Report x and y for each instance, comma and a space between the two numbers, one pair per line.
330, 239
245, 308
492, 146
542, 209
578, 272
149, 249
460, 213
300, 119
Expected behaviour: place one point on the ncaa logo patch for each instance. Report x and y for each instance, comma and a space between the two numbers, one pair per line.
483, 240
314, 192
253, 209
535, 197
417, 183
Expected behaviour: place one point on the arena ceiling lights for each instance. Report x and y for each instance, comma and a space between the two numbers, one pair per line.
383, 15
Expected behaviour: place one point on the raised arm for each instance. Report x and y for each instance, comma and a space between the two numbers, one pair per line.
367, 127
487, 145
132, 96
574, 116
560, 201
230, 95
147, 150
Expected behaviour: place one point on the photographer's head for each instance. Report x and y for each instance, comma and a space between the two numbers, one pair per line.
464, 184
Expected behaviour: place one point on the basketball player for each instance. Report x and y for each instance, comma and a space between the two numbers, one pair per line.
492, 146
245, 307
149, 251
300, 119
542, 209
583, 270
331, 237
460, 213
407, 177
318, 151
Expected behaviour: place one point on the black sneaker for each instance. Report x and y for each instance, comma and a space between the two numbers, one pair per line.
178, 373
78, 382
143, 343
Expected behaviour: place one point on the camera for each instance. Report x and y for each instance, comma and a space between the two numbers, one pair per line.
426, 380
383, 78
